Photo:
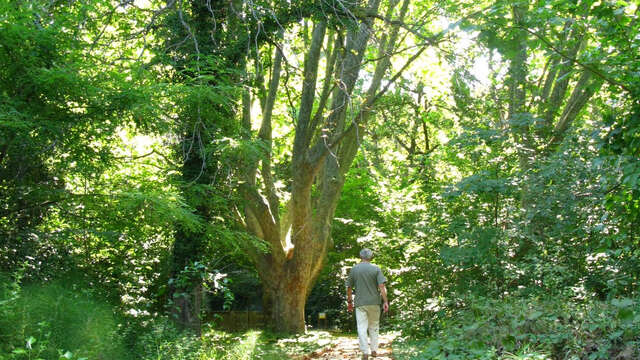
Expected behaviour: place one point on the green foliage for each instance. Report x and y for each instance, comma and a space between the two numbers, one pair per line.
530, 328
67, 320
61, 319
62, 112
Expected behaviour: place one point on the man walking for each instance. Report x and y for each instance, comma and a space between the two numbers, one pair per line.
368, 281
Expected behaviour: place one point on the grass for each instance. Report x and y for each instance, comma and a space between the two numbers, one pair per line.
56, 320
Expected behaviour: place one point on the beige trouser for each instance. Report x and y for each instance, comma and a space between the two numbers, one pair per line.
368, 318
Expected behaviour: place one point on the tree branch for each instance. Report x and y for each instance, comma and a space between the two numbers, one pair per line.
302, 136
584, 90
594, 70
265, 135
256, 208
328, 84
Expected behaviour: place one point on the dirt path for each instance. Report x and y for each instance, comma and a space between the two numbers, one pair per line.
346, 347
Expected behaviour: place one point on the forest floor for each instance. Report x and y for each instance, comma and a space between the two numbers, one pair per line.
346, 347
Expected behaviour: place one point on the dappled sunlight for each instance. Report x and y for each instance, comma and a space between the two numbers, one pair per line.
245, 346
346, 347
313, 338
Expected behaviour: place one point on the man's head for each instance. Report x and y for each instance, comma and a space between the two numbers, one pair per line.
366, 254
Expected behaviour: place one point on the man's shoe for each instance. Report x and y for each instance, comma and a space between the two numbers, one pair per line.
365, 357
373, 354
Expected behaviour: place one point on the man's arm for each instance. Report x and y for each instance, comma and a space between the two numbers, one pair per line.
349, 299
383, 293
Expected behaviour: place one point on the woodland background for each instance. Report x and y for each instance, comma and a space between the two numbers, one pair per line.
162, 160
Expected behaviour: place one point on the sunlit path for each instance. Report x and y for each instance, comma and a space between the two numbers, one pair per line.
346, 347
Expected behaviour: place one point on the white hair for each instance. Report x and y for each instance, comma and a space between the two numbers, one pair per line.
366, 254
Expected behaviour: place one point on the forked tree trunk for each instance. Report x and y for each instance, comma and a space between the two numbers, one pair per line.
324, 148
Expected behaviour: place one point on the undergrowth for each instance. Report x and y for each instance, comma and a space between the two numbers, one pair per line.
66, 320
533, 328
165, 342
57, 320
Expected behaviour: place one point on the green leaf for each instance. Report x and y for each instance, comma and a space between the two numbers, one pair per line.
622, 303
30, 341
534, 315
625, 314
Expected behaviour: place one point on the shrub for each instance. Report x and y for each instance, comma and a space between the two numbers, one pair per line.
533, 328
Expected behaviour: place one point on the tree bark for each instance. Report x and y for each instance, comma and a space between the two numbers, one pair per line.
284, 301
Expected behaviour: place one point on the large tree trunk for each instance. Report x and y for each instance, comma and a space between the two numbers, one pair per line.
287, 276
284, 296
185, 296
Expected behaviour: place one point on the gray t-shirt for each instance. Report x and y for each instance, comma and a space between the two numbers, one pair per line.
365, 278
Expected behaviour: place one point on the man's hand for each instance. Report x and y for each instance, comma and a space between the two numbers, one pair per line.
383, 293
349, 299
